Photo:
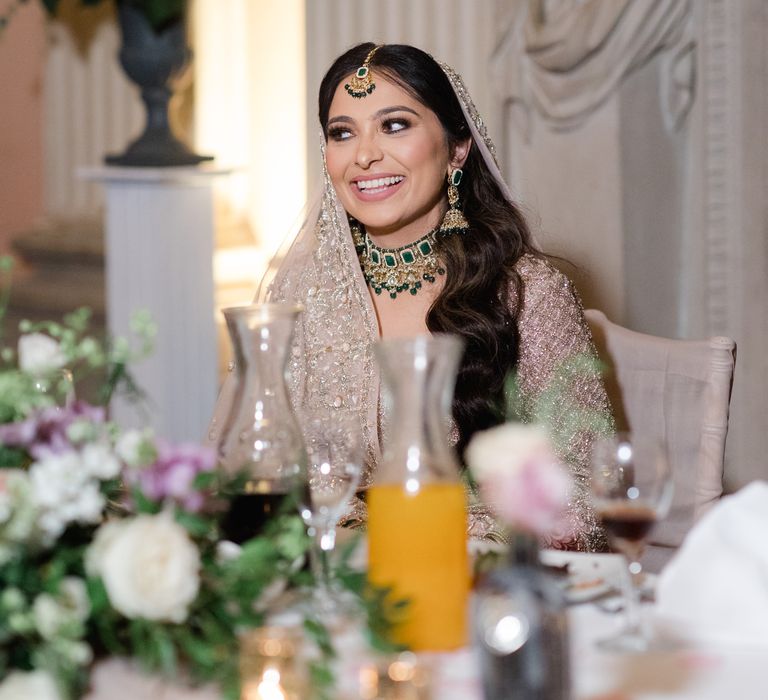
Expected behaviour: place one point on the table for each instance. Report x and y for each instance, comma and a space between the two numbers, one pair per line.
688, 674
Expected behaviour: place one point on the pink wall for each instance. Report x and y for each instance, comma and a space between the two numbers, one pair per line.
22, 58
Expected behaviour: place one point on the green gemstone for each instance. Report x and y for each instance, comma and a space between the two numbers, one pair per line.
362, 72
407, 256
390, 260
393, 295
375, 258
414, 290
456, 177
425, 248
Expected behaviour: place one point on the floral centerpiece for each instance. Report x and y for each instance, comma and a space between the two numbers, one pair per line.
110, 540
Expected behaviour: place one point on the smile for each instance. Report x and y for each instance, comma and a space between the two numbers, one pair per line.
377, 188
379, 184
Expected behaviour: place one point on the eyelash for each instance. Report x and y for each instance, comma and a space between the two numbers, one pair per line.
342, 133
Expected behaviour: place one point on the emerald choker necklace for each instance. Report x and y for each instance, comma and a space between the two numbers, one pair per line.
397, 270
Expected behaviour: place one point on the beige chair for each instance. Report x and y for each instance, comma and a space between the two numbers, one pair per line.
678, 391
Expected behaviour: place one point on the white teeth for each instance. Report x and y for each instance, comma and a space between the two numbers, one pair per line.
380, 182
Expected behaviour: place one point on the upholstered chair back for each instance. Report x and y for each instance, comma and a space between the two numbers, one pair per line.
677, 391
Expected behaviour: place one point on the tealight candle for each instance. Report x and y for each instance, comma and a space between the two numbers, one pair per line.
269, 668
398, 678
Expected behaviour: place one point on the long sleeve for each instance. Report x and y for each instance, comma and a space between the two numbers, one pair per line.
560, 384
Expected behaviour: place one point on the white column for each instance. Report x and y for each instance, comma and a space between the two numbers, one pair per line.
159, 249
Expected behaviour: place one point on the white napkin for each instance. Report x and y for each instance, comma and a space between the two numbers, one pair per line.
715, 589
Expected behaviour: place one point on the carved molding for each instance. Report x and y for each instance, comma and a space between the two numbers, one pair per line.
720, 160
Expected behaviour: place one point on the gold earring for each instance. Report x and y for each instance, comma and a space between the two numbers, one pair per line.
454, 220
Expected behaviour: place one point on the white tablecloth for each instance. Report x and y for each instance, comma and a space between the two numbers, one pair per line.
688, 674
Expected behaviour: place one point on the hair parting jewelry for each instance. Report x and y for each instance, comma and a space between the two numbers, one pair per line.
361, 83
454, 220
397, 270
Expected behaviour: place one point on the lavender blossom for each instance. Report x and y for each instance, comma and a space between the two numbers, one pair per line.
171, 477
45, 431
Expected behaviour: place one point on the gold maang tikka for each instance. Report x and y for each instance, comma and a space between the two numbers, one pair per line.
361, 83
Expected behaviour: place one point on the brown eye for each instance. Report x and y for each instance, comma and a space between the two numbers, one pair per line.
339, 133
393, 126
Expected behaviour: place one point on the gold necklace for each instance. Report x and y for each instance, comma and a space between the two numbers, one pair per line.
397, 270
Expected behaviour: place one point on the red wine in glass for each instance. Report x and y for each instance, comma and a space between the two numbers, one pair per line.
628, 521
249, 513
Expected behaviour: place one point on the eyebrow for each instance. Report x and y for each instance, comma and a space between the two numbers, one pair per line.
377, 115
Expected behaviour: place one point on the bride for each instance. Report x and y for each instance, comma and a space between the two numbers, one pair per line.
416, 232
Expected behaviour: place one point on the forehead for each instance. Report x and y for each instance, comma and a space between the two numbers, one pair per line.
387, 94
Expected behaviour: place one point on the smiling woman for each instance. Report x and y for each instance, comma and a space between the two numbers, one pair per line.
417, 233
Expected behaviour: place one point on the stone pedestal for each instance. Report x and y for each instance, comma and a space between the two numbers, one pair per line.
159, 233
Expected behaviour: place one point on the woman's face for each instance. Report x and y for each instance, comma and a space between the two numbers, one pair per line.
388, 159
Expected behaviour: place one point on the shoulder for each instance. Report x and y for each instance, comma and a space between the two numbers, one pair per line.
542, 283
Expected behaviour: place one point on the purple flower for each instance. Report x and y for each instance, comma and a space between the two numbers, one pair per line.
45, 431
171, 477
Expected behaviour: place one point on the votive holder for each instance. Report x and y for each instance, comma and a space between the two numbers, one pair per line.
398, 677
271, 667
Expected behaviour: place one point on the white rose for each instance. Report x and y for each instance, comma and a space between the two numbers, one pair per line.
22, 686
506, 448
39, 354
102, 541
150, 568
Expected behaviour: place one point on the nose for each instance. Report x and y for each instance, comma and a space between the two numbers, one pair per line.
368, 151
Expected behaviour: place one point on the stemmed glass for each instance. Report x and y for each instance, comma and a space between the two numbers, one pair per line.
333, 439
631, 491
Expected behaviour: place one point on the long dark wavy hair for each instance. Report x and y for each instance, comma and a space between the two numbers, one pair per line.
480, 272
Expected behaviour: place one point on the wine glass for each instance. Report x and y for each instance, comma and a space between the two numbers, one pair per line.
333, 440
631, 491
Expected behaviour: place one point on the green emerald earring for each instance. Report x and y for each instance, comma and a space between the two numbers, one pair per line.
454, 220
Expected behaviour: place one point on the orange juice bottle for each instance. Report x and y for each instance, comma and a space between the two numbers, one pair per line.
417, 520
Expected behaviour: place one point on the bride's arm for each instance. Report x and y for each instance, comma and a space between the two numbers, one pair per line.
560, 383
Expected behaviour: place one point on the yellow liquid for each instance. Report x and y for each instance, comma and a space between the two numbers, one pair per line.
417, 544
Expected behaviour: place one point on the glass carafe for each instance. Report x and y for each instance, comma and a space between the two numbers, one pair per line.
417, 519
261, 439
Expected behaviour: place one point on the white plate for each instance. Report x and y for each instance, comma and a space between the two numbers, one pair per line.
590, 576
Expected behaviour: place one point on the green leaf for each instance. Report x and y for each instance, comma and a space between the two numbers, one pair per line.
205, 480
161, 13
144, 504
196, 525
97, 594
